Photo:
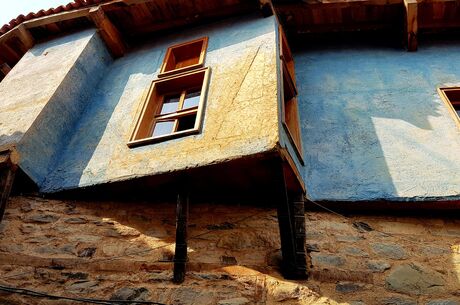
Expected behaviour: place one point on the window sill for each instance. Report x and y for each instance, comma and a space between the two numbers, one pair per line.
153, 140
179, 71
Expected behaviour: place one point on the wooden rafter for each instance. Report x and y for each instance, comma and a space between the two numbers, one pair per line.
4, 68
411, 23
108, 32
25, 36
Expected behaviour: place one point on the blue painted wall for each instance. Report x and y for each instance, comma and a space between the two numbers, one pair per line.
373, 124
41, 147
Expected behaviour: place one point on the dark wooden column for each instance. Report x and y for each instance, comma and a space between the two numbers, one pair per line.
291, 220
7, 173
300, 237
180, 255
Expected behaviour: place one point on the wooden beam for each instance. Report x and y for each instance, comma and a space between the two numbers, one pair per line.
67, 15
411, 24
5, 68
108, 31
7, 173
291, 221
180, 254
25, 36
266, 7
9, 54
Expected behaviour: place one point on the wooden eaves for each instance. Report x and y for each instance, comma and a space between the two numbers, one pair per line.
119, 22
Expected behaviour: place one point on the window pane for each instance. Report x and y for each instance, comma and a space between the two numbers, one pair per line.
192, 99
170, 104
163, 128
186, 122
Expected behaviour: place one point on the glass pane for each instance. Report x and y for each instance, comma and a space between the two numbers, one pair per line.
186, 122
192, 99
163, 128
170, 104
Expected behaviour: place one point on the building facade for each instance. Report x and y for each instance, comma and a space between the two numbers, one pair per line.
238, 152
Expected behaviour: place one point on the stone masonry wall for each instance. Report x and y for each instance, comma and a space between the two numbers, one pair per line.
124, 251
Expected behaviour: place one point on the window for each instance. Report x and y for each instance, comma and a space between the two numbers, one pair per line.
290, 113
175, 102
184, 57
451, 97
174, 107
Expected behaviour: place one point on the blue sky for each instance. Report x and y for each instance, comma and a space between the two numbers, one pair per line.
10, 9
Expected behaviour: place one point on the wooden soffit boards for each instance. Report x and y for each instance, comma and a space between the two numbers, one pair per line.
313, 16
120, 22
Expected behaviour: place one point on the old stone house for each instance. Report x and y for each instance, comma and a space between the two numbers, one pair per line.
231, 152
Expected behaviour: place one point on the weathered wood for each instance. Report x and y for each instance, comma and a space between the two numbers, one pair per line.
5, 68
266, 7
9, 54
7, 173
292, 230
180, 254
411, 24
108, 31
67, 15
25, 36
300, 233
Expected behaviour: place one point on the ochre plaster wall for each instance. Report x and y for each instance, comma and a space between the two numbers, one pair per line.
240, 117
373, 124
123, 250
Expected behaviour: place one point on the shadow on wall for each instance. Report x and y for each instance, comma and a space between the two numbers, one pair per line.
373, 123
116, 85
106, 122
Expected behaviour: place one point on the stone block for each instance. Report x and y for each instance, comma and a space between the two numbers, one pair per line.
353, 251
397, 301
415, 279
443, 302
392, 251
76, 220
348, 287
349, 238
41, 218
328, 260
378, 266
130, 294
234, 301
83, 287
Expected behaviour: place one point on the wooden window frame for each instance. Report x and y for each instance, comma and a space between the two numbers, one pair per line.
151, 108
450, 104
170, 51
287, 72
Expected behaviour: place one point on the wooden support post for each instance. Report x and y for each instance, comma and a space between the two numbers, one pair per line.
7, 173
411, 24
180, 255
300, 234
291, 221
108, 31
